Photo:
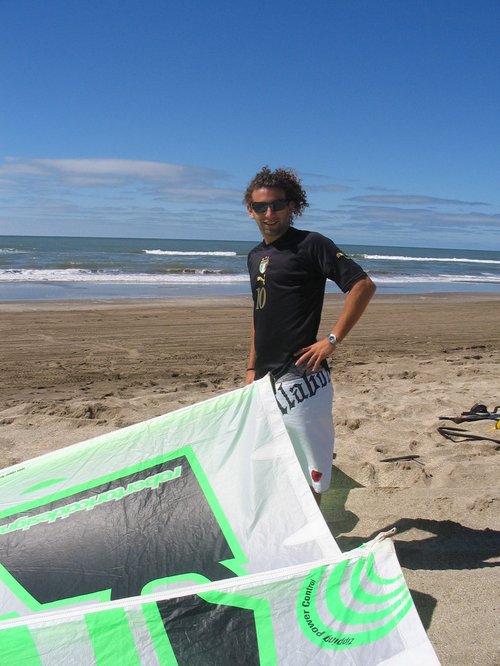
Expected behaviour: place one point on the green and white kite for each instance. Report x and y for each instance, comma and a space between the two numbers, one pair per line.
191, 539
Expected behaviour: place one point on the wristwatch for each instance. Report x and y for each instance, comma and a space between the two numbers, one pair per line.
332, 339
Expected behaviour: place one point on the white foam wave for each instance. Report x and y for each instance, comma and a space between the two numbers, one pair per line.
419, 279
75, 275
460, 260
80, 275
174, 253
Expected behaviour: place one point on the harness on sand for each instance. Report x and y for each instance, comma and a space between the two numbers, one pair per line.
477, 412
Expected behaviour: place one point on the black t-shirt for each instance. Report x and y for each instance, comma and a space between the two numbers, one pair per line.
288, 284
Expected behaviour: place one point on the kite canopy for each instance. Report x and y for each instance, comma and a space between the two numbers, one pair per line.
192, 538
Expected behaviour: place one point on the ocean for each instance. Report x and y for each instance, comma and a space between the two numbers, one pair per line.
46, 268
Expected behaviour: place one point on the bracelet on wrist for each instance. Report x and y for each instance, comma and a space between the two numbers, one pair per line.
248, 369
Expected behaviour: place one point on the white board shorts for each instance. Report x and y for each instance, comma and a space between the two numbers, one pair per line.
306, 405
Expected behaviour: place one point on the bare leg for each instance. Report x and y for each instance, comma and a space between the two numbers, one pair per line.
317, 497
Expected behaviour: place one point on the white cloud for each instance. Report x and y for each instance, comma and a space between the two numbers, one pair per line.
328, 187
106, 196
116, 197
200, 195
417, 216
102, 171
412, 200
106, 180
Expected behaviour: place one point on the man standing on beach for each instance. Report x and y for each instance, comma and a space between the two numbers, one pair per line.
288, 273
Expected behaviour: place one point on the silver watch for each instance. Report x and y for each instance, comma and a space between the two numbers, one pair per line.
332, 339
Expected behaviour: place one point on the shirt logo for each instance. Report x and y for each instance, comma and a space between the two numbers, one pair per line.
264, 262
260, 294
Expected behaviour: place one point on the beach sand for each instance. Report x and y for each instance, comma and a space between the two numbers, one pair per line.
71, 371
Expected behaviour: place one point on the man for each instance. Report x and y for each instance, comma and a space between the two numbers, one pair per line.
288, 273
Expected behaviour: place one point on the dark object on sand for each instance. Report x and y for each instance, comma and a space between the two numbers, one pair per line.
477, 412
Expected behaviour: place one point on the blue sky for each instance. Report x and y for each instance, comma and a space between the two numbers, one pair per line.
148, 118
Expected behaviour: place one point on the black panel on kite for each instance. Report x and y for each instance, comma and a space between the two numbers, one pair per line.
119, 545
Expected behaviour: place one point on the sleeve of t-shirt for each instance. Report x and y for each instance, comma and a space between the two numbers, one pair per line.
335, 264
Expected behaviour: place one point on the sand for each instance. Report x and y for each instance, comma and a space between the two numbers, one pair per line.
71, 371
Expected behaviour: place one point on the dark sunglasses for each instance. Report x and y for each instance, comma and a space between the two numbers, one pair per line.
262, 206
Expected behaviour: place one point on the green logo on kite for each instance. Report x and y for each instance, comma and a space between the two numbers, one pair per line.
89, 503
380, 603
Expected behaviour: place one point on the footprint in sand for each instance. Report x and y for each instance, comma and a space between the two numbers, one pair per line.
131, 353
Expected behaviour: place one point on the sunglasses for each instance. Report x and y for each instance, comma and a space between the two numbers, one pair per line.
262, 206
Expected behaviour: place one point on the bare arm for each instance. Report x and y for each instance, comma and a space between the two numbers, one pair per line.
250, 374
354, 306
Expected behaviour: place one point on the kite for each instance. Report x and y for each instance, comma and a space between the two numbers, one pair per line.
191, 538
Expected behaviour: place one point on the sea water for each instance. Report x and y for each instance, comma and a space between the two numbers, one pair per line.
43, 267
